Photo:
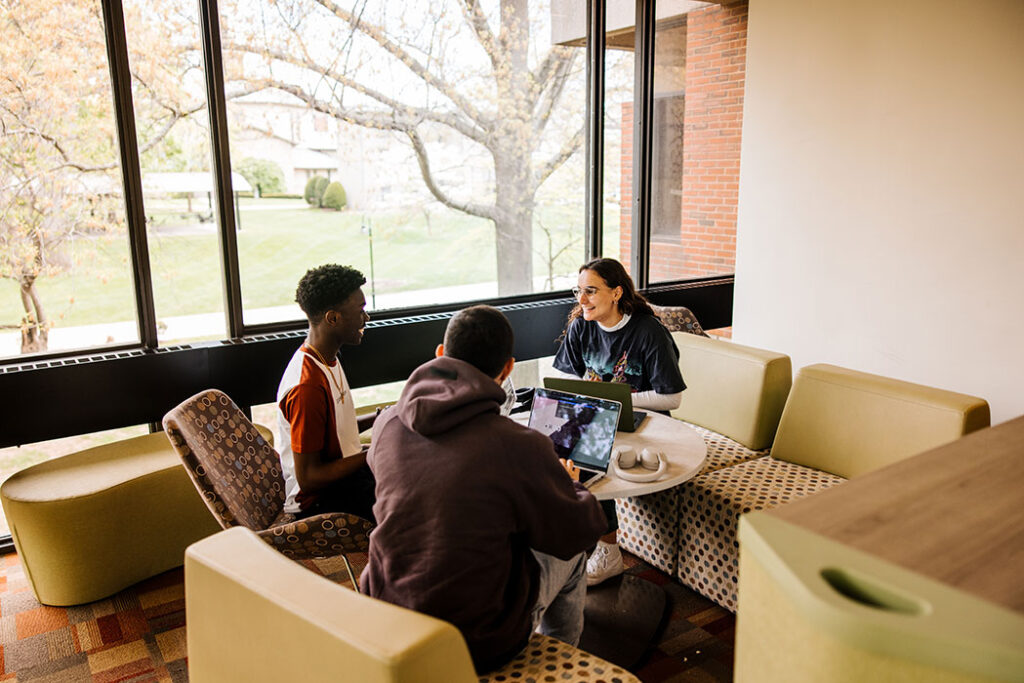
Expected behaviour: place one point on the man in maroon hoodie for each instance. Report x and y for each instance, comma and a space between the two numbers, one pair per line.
479, 522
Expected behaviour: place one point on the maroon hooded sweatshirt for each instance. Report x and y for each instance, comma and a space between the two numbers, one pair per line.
463, 494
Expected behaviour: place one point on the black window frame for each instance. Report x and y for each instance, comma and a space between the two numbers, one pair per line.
709, 297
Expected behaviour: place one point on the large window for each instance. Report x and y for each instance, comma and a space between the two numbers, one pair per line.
65, 270
699, 60
439, 147
172, 124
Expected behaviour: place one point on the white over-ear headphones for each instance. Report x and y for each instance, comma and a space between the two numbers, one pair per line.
625, 458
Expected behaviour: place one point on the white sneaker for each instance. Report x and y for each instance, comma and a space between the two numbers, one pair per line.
605, 563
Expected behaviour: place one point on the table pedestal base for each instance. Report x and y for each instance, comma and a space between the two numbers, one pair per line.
621, 619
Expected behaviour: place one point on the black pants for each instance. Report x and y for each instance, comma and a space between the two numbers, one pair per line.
355, 494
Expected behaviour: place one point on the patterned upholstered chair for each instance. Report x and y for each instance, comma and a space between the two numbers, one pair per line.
837, 423
238, 474
679, 319
734, 398
235, 585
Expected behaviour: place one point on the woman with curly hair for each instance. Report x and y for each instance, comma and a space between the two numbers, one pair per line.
612, 335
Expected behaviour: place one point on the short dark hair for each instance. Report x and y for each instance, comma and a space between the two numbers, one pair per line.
326, 287
481, 336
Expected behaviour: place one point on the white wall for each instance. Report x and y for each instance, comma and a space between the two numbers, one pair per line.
881, 211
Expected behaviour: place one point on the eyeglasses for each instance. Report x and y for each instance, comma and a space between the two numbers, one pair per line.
589, 291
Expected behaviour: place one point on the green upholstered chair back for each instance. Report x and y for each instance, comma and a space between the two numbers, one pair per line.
735, 390
847, 422
255, 617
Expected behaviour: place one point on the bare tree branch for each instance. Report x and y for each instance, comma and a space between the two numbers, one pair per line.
382, 120
175, 115
544, 70
380, 37
478, 22
481, 210
552, 92
409, 113
568, 149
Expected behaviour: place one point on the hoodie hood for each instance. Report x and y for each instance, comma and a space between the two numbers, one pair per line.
445, 392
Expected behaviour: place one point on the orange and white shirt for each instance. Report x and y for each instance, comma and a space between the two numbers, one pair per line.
315, 413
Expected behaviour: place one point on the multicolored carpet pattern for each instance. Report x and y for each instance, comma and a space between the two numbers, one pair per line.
138, 635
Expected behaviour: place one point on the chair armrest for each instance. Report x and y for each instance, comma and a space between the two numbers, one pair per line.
256, 616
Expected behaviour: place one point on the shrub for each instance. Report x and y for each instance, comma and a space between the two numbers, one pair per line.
314, 192
334, 197
264, 175
320, 188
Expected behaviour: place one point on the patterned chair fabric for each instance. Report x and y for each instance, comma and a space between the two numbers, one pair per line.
709, 509
649, 528
547, 659
723, 451
238, 474
679, 319
649, 525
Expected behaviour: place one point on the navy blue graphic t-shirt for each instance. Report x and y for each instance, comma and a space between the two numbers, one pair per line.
641, 354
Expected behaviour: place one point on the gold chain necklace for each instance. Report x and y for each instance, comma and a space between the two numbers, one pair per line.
334, 380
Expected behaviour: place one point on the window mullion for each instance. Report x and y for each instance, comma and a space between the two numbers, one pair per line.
209, 15
643, 100
596, 16
131, 174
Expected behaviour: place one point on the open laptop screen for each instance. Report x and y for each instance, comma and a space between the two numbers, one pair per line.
582, 428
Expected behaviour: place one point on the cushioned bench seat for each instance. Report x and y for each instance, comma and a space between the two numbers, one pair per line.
733, 399
91, 523
649, 525
709, 509
837, 423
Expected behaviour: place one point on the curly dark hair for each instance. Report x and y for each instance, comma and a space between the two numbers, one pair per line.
326, 287
614, 275
482, 336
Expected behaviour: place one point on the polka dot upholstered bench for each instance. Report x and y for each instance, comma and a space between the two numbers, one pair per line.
649, 525
709, 509
734, 396
546, 659
91, 523
837, 424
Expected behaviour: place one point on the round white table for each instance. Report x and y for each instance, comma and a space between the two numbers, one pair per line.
683, 448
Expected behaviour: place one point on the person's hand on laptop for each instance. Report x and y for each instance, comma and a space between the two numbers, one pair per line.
571, 468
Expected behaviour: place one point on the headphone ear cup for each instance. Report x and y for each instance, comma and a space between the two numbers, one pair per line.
650, 460
624, 457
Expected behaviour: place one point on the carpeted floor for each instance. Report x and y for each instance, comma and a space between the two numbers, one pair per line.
138, 635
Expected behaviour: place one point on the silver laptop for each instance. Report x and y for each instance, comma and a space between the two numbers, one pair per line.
582, 428
629, 419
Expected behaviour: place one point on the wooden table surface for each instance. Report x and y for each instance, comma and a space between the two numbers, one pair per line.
954, 514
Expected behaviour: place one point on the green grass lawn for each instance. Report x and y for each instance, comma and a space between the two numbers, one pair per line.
411, 251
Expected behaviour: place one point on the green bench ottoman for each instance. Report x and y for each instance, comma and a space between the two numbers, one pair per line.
89, 524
